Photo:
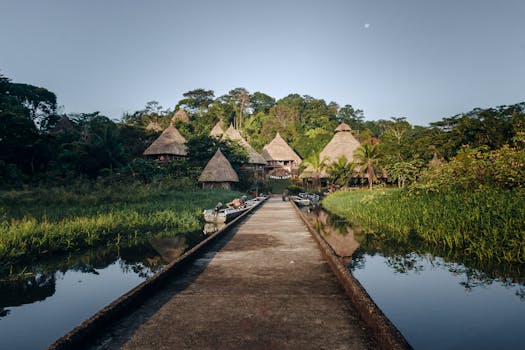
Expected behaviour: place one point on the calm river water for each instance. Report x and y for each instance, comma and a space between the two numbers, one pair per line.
53, 296
436, 300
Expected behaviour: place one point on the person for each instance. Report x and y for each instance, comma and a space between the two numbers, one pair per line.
236, 203
285, 195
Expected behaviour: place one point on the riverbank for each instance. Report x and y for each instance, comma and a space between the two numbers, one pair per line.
44, 221
485, 225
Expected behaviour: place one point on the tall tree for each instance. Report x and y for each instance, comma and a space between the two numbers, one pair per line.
240, 99
367, 159
197, 100
353, 117
261, 102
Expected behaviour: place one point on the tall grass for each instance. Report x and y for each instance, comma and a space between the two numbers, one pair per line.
487, 225
44, 221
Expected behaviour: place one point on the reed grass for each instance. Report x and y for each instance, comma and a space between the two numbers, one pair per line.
44, 221
486, 225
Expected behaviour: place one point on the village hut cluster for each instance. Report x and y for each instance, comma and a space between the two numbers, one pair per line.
277, 161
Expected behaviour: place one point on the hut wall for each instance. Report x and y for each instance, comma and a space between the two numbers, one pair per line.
219, 185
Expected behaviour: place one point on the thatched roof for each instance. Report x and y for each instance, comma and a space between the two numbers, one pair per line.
253, 156
63, 125
279, 150
218, 169
309, 173
435, 161
180, 115
154, 126
169, 142
342, 144
217, 131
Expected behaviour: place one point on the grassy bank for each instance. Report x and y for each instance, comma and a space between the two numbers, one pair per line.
486, 225
44, 221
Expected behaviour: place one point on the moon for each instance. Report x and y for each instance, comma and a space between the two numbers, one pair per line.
367, 25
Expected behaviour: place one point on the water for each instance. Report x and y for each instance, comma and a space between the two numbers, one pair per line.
49, 298
434, 298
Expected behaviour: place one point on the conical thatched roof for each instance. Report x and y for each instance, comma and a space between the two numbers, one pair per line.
435, 161
279, 150
63, 125
253, 156
217, 131
169, 142
218, 169
342, 144
154, 126
180, 115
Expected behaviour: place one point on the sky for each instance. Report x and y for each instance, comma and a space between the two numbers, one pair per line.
419, 59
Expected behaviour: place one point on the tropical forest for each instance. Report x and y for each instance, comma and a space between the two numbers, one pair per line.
73, 185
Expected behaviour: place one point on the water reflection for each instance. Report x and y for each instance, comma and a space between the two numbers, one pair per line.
337, 233
437, 298
210, 228
349, 242
27, 284
72, 287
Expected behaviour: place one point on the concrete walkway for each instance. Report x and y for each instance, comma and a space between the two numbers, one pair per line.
267, 287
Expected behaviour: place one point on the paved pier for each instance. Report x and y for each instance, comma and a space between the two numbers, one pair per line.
266, 286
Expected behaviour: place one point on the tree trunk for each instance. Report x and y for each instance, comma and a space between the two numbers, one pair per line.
369, 175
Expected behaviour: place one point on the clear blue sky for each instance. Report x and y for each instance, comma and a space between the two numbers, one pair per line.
419, 59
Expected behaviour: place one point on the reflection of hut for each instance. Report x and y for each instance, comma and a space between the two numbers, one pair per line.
218, 173
169, 248
341, 239
253, 156
180, 115
169, 145
154, 126
217, 131
279, 154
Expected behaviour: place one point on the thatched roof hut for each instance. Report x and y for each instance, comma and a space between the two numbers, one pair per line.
253, 156
154, 126
169, 143
342, 144
436, 161
63, 125
218, 173
217, 131
278, 150
180, 115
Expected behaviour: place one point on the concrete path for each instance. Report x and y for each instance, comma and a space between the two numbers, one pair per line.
265, 287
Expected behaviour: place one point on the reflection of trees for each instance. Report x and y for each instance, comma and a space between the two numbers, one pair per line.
26, 290
358, 260
409, 255
405, 263
29, 284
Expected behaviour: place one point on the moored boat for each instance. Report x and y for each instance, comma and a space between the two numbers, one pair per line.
219, 215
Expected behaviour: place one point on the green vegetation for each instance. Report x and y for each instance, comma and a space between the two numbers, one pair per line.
488, 225
40, 221
461, 177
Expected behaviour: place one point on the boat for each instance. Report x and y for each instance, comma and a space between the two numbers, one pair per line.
302, 202
305, 199
219, 215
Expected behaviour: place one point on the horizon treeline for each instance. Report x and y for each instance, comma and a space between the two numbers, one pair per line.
39, 145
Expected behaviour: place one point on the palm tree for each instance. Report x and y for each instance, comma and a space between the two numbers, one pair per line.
315, 165
341, 171
367, 158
